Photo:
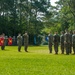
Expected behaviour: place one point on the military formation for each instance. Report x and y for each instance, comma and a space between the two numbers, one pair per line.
66, 41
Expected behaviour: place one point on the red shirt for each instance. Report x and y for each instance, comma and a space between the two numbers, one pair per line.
1, 41
10, 41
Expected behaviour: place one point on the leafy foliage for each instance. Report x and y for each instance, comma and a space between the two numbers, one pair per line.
36, 16
22, 15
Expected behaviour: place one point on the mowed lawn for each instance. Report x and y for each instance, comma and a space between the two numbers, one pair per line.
38, 61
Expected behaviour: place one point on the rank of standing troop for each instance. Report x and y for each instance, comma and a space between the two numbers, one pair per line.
65, 40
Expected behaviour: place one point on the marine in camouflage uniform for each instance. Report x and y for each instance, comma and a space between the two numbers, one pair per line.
73, 41
26, 41
67, 42
19, 42
56, 40
50, 42
62, 42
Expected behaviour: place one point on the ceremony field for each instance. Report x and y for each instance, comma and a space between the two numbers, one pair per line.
38, 61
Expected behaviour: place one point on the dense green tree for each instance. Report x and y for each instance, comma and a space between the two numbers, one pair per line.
23, 15
66, 14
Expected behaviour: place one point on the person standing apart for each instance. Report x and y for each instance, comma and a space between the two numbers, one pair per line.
56, 40
62, 42
26, 41
50, 42
19, 42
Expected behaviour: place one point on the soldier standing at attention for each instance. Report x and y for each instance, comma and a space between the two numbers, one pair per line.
50, 42
19, 42
73, 41
56, 40
62, 42
26, 40
67, 42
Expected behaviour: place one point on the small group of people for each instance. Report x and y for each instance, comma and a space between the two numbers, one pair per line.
4, 40
66, 41
19, 41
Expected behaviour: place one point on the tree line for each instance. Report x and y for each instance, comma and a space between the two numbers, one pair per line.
36, 16
22, 15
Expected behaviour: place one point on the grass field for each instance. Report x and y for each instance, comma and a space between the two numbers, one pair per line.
37, 61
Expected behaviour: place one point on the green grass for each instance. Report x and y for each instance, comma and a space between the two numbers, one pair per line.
37, 61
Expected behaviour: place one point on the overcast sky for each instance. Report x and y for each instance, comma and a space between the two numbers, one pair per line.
53, 2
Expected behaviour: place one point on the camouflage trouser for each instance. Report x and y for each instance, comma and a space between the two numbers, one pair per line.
56, 47
62, 48
3, 47
25, 46
50, 47
67, 47
19, 48
70, 47
74, 48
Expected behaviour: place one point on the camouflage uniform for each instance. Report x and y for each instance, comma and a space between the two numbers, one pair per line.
67, 42
50, 42
62, 42
70, 42
19, 42
73, 41
26, 40
56, 39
